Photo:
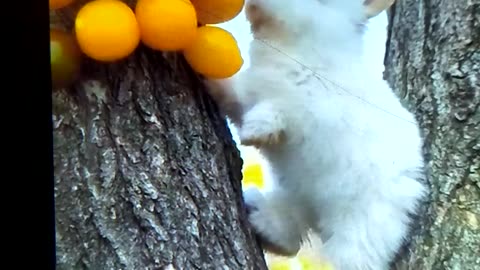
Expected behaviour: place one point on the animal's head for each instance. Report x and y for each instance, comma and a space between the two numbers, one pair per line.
331, 21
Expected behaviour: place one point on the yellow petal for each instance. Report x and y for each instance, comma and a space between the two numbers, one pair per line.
253, 176
309, 263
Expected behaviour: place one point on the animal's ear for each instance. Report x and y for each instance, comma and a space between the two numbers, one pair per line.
375, 7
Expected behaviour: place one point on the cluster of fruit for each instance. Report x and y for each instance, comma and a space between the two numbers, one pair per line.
109, 30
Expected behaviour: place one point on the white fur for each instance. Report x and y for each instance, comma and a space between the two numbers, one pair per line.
347, 169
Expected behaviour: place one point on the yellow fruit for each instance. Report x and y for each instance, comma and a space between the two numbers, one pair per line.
214, 53
217, 11
253, 176
107, 30
166, 25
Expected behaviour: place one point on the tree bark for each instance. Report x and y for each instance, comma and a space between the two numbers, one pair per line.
147, 175
433, 62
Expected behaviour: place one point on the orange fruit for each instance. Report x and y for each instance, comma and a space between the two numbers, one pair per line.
107, 30
217, 11
65, 58
56, 4
166, 25
214, 53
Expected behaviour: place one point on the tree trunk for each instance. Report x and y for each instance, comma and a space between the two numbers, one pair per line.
147, 175
433, 62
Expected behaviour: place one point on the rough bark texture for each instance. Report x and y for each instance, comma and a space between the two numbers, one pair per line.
433, 62
147, 175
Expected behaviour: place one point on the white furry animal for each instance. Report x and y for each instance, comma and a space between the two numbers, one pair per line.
344, 153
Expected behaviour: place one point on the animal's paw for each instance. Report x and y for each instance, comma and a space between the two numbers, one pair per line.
271, 228
253, 199
260, 133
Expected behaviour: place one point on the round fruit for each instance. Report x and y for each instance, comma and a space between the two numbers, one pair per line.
166, 25
57, 4
107, 30
217, 11
214, 53
65, 58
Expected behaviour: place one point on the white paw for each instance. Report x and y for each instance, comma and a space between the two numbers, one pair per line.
258, 132
269, 226
262, 125
253, 198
